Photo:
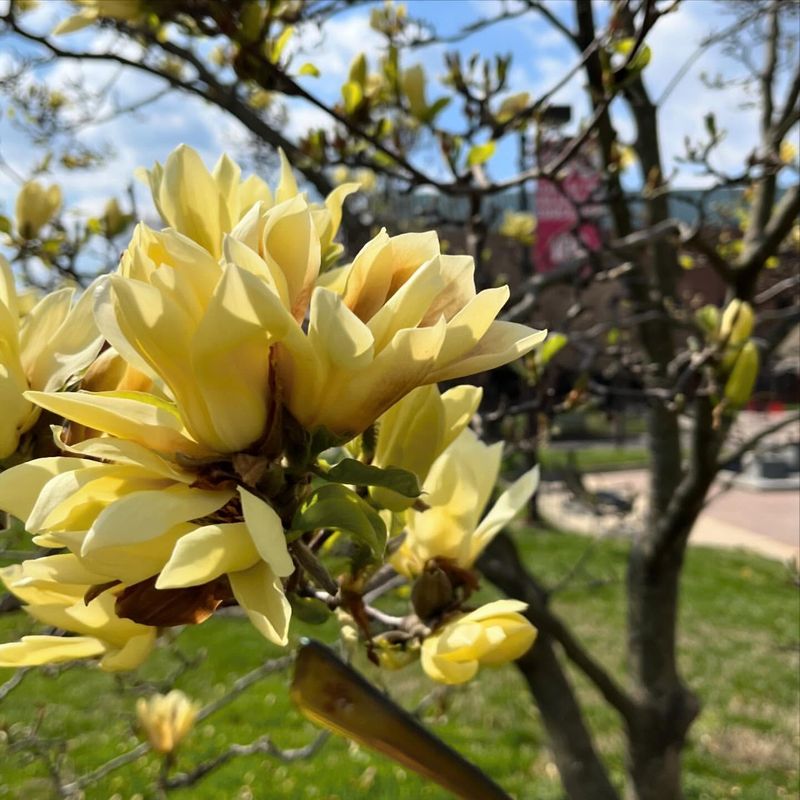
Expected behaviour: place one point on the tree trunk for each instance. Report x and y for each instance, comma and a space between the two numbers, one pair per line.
666, 706
582, 773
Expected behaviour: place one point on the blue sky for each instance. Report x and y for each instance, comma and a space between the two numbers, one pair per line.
540, 57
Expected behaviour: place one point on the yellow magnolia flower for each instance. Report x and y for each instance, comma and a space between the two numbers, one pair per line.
457, 490
166, 719
180, 318
42, 350
92, 10
414, 432
174, 551
207, 205
200, 204
520, 226
35, 207
493, 635
53, 591
407, 317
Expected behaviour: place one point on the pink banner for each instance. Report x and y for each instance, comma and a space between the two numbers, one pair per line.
557, 239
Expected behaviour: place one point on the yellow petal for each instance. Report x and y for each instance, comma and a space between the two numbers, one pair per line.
508, 505
137, 416
334, 330
206, 553
266, 531
260, 593
33, 651
121, 451
504, 342
141, 516
230, 354
131, 655
287, 187
291, 245
443, 671
21, 485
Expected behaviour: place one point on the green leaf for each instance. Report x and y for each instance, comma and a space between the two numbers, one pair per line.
436, 108
358, 70
5, 225
348, 470
337, 507
280, 43
481, 153
353, 94
309, 69
553, 343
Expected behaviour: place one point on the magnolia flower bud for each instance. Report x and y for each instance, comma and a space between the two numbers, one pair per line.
35, 207
742, 379
166, 719
432, 592
494, 634
737, 321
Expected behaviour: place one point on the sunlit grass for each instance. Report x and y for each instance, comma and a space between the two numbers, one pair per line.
739, 651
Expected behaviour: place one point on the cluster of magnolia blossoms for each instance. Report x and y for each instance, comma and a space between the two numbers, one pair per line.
239, 424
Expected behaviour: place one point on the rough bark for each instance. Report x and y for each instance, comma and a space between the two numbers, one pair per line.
582, 773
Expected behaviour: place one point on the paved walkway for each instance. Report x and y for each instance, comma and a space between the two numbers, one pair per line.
767, 523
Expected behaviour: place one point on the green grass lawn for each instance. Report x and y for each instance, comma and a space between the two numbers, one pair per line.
601, 458
739, 651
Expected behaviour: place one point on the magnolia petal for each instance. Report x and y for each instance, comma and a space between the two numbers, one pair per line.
62, 569
333, 204
191, 201
508, 505
290, 244
458, 275
495, 609
504, 342
460, 405
57, 356
409, 304
131, 564
39, 326
120, 451
266, 530
141, 516
206, 553
230, 359
260, 593
364, 395
287, 186
137, 416
441, 670
158, 328
33, 651
8, 290
336, 331
20, 486
466, 328
246, 257
131, 655
508, 640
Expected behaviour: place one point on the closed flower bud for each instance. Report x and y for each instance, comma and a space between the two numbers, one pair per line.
114, 221
742, 379
432, 592
737, 322
707, 318
494, 634
35, 207
166, 719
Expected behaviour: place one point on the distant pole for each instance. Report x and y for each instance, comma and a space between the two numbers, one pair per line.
525, 262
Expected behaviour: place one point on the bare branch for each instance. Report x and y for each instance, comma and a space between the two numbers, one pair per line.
749, 444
